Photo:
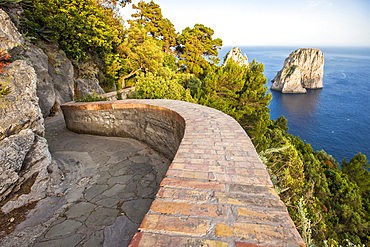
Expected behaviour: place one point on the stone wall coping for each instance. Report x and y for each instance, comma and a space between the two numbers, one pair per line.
216, 192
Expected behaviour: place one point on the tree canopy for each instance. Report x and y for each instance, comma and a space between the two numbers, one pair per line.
196, 49
138, 52
149, 15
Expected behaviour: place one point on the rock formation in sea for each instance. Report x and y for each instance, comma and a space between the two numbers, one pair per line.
304, 68
236, 55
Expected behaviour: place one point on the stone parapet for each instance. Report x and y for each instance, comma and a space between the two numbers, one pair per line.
216, 192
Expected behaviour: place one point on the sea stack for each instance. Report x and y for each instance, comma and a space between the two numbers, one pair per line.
304, 68
236, 55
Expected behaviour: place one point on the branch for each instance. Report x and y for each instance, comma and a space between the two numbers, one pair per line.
128, 76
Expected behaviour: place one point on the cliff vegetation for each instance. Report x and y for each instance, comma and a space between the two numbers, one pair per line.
329, 202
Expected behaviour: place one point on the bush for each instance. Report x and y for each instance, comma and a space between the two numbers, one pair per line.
80, 27
161, 86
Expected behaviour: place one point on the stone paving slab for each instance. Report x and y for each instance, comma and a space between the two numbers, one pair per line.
101, 201
216, 192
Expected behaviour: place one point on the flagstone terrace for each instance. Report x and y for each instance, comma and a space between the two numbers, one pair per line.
216, 192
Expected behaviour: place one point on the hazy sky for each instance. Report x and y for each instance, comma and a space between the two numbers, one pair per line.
274, 22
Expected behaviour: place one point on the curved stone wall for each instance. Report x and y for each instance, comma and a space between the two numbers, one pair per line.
216, 192
158, 127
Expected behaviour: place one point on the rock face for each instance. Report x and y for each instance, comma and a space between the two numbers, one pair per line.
9, 35
54, 71
84, 87
304, 68
45, 87
236, 55
61, 72
24, 152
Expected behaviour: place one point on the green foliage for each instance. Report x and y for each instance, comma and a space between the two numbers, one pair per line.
162, 85
305, 223
197, 50
137, 53
281, 122
9, 2
289, 71
119, 95
335, 204
170, 62
191, 82
239, 92
149, 15
255, 100
357, 170
92, 98
80, 27
220, 89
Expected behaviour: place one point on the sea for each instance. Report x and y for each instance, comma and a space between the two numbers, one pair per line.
335, 118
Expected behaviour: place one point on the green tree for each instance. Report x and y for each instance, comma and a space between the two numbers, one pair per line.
220, 89
80, 27
138, 52
197, 50
254, 100
357, 171
149, 15
161, 85
240, 92
114, 3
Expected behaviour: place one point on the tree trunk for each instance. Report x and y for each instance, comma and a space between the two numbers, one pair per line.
128, 76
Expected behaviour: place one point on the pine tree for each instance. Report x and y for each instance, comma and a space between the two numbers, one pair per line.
240, 92
138, 53
197, 50
150, 16
254, 101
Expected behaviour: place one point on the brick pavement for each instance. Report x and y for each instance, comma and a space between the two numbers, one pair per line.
216, 192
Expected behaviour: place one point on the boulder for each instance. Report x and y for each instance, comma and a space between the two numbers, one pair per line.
84, 87
304, 68
236, 55
62, 75
24, 152
54, 72
9, 35
13, 150
19, 107
45, 87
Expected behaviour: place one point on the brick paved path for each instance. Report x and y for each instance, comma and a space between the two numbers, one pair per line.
216, 192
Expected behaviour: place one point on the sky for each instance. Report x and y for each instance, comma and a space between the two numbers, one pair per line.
273, 22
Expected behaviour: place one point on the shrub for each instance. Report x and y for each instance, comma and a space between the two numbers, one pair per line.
92, 98
162, 85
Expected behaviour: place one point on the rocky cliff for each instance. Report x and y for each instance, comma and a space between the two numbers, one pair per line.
304, 68
24, 153
55, 75
236, 55
9, 36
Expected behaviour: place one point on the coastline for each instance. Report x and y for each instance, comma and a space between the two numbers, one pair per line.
334, 119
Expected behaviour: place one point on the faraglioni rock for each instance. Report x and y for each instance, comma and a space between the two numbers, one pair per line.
304, 68
236, 55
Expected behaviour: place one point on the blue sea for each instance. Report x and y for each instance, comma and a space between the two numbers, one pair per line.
335, 118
